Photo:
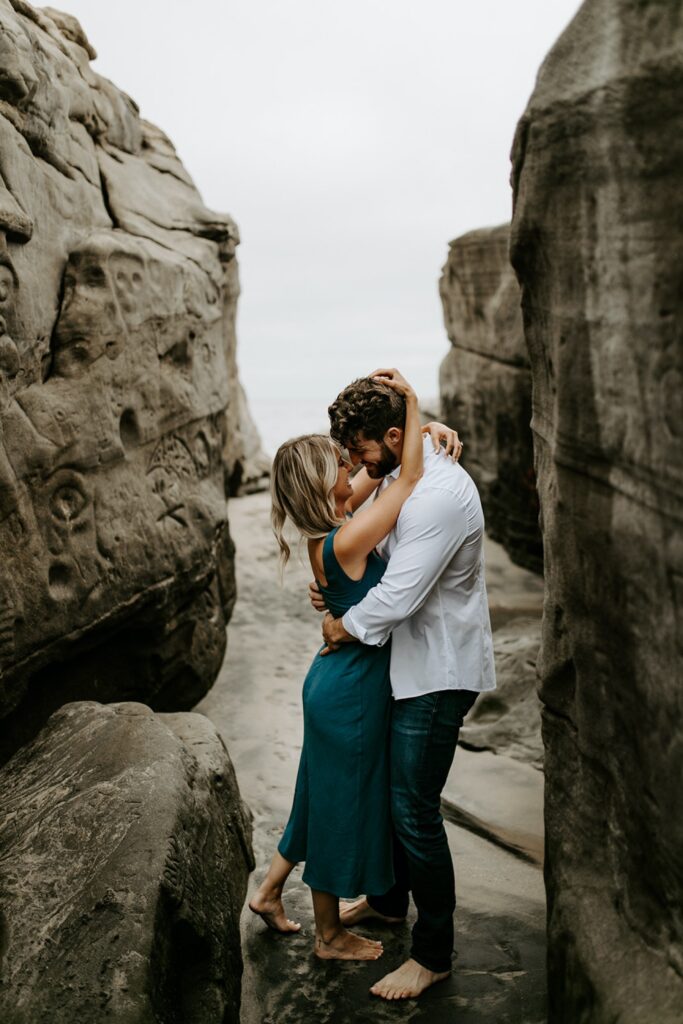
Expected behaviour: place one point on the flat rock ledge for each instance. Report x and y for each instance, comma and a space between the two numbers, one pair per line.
124, 855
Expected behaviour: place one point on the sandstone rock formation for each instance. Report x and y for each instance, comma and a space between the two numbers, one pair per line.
124, 854
119, 399
598, 247
485, 386
249, 468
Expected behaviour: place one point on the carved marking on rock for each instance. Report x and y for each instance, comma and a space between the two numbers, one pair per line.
78, 569
173, 455
174, 871
7, 628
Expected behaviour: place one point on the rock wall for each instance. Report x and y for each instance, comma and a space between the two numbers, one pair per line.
485, 386
124, 855
598, 248
120, 406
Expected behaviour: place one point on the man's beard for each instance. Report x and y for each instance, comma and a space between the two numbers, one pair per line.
386, 464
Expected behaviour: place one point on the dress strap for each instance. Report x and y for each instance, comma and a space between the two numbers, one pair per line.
330, 563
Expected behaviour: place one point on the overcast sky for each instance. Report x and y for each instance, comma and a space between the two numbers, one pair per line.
350, 141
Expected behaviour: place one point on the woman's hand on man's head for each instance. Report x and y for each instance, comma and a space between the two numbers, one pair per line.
396, 381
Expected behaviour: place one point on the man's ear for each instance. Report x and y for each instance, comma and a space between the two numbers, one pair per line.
393, 437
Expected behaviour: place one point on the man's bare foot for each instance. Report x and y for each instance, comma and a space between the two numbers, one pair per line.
408, 982
270, 908
352, 913
347, 946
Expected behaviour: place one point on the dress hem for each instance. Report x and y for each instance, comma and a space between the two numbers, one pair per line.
347, 892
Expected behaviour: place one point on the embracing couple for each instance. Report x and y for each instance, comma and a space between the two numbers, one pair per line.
404, 575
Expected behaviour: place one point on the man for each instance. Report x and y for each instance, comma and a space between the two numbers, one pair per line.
432, 602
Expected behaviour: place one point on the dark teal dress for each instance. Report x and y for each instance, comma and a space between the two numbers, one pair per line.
340, 820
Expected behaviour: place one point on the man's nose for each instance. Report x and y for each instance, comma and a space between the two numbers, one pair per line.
355, 459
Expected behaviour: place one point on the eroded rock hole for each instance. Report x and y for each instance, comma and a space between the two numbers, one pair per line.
129, 429
60, 581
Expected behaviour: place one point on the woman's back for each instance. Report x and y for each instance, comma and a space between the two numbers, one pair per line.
340, 590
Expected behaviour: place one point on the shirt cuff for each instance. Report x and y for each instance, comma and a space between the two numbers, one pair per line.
364, 635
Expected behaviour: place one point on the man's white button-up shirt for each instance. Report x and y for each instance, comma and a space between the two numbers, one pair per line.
432, 597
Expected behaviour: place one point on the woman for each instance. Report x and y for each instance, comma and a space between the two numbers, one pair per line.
339, 824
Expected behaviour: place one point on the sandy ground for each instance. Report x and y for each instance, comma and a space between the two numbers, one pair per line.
499, 974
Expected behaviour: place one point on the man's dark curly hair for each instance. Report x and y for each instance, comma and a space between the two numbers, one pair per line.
366, 407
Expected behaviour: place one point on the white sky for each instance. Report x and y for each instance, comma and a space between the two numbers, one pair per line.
350, 141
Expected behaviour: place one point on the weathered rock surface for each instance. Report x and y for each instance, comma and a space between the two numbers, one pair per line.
124, 855
598, 246
119, 400
485, 386
508, 719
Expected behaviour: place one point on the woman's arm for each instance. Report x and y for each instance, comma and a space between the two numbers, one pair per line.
363, 486
357, 538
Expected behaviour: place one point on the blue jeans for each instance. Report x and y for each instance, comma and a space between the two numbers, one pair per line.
424, 733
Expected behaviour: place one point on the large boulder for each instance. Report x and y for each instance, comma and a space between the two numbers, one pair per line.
124, 855
120, 427
485, 387
598, 247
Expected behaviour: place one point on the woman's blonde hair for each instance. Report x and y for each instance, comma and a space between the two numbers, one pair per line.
302, 480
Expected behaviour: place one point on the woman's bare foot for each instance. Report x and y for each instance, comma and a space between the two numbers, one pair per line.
408, 982
269, 907
347, 946
352, 913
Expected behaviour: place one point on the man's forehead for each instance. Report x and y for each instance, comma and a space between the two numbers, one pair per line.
359, 443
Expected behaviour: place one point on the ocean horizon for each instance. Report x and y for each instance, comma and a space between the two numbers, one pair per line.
278, 419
